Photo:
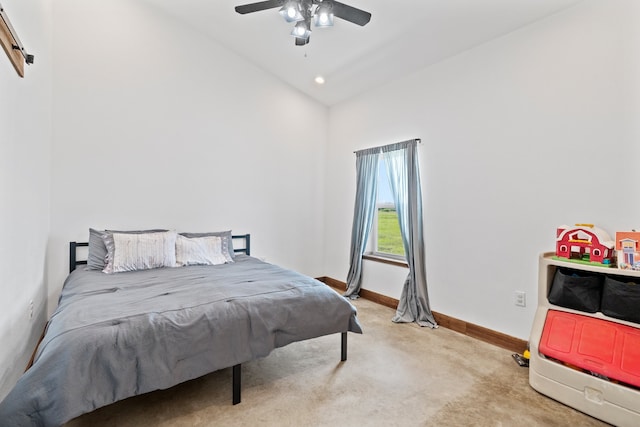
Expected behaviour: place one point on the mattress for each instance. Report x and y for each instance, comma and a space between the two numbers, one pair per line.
119, 335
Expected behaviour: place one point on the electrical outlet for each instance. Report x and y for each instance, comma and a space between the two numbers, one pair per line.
31, 309
520, 298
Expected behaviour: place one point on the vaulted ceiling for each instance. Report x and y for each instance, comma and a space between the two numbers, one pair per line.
402, 37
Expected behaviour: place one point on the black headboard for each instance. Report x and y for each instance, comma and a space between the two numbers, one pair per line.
74, 262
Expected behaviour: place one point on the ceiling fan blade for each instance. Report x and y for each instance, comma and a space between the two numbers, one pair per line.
351, 14
256, 7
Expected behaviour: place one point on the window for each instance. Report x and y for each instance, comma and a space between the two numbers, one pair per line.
386, 237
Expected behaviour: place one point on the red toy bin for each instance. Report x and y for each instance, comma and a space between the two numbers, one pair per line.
607, 349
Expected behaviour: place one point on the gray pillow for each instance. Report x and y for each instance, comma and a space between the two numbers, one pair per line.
98, 250
225, 235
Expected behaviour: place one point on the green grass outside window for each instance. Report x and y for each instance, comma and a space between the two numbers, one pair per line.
389, 237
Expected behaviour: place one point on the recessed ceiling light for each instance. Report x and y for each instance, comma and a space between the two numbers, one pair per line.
319, 80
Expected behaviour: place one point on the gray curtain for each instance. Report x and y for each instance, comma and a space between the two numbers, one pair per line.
404, 176
365, 205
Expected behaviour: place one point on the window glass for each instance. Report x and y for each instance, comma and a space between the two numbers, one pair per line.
388, 240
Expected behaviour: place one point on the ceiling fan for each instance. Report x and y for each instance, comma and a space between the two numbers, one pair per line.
303, 11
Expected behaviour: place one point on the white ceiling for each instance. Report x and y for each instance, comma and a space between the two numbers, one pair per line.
402, 37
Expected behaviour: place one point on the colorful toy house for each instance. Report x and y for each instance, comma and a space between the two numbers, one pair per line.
585, 243
628, 249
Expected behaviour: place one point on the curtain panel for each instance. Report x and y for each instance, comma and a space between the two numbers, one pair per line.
404, 177
365, 205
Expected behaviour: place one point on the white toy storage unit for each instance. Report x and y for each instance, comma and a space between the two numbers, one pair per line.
581, 356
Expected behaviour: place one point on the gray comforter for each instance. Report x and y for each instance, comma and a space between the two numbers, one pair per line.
120, 335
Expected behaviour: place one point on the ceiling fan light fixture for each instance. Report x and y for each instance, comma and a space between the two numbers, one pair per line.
323, 16
291, 11
301, 30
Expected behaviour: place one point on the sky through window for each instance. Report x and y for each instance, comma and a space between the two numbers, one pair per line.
384, 190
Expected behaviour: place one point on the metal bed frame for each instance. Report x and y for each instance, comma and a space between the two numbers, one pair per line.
236, 369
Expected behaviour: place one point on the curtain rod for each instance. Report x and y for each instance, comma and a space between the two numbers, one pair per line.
418, 140
18, 46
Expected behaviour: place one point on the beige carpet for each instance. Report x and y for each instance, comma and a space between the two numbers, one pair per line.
395, 375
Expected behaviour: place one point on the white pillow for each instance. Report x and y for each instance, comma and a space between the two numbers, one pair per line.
129, 252
206, 250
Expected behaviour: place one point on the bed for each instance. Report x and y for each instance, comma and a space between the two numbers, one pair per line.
114, 336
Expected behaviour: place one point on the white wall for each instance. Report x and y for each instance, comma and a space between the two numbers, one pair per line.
158, 126
520, 135
25, 136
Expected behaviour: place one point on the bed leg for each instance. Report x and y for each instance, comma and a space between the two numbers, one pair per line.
343, 355
236, 377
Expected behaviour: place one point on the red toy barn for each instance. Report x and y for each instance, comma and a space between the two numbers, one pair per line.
584, 239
